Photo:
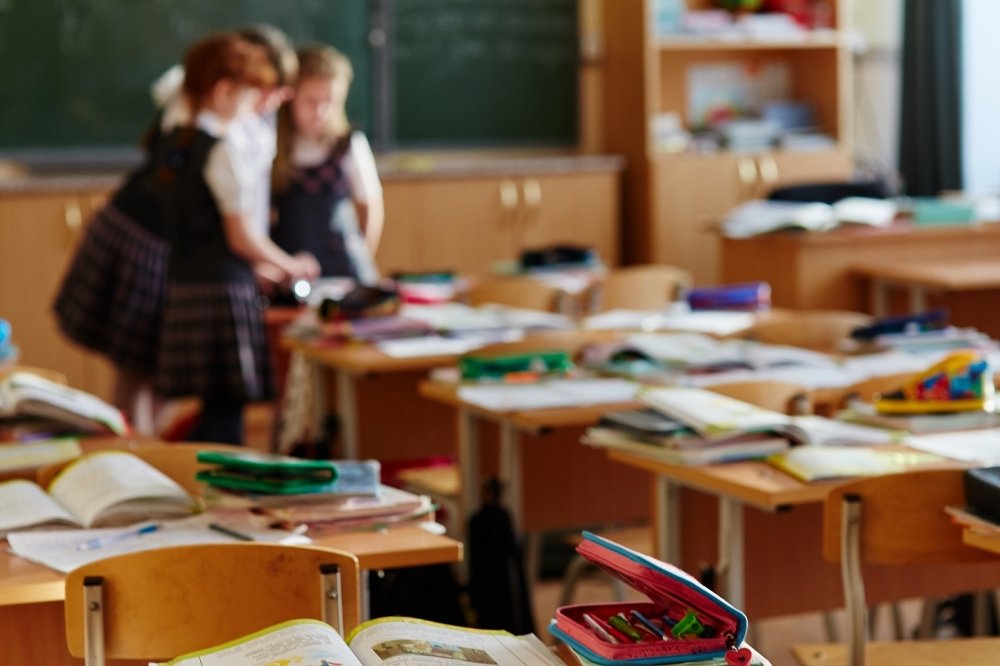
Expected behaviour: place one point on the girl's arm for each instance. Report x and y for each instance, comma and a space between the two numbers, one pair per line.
234, 197
366, 190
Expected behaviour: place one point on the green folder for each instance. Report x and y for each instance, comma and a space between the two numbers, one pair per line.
252, 471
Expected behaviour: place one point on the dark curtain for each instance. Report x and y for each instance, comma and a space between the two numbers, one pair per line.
930, 146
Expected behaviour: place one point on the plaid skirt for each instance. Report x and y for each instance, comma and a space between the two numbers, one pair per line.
213, 344
111, 296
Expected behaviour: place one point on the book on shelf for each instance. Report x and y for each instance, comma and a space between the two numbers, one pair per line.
105, 488
399, 639
819, 463
24, 394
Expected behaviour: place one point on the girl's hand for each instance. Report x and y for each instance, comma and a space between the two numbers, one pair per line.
305, 267
268, 277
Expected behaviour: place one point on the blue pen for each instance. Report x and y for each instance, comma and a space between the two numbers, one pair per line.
648, 625
100, 542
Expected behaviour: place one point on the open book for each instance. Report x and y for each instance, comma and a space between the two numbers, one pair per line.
760, 217
27, 394
105, 488
715, 416
396, 640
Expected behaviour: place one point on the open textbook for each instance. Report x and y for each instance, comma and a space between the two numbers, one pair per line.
392, 641
105, 488
27, 394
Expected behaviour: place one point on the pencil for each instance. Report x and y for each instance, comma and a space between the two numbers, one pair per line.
228, 531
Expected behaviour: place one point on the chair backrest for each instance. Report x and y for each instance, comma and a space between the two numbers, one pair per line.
157, 604
821, 330
647, 287
896, 519
778, 396
517, 292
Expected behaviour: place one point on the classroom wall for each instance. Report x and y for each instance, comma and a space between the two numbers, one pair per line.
981, 96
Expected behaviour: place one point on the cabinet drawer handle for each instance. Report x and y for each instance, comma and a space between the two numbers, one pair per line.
768, 168
508, 195
532, 193
73, 216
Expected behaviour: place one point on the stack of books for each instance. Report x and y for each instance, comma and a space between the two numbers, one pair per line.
312, 495
693, 426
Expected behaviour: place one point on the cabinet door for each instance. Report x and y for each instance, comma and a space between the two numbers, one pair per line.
397, 250
576, 209
779, 169
38, 235
467, 224
691, 194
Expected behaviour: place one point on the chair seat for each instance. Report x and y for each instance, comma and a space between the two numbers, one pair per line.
966, 651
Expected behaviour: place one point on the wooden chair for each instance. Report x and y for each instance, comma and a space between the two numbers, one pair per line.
157, 604
517, 292
894, 520
647, 287
778, 396
821, 330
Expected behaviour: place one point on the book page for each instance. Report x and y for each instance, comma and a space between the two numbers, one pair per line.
26, 393
24, 503
299, 642
396, 641
29, 455
96, 483
711, 413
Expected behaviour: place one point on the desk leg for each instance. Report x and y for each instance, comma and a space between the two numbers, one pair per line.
918, 299
347, 412
666, 517
880, 297
510, 473
468, 461
366, 597
731, 549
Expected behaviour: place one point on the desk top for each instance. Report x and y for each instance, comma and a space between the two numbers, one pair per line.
23, 582
951, 276
853, 234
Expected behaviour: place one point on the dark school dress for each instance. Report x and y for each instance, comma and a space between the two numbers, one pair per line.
316, 215
212, 340
111, 295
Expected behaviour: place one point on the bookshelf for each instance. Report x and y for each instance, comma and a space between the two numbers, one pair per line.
672, 197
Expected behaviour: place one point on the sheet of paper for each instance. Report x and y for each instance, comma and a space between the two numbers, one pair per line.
60, 549
975, 446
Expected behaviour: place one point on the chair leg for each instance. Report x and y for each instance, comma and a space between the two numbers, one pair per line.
928, 617
575, 570
830, 627
897, 621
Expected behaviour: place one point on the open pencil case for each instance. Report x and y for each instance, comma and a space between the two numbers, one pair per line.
707, 626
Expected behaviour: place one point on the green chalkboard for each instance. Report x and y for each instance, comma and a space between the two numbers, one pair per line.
77, 73
483, 71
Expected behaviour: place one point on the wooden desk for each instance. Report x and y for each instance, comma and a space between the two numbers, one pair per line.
31, 596
815, 270
768, 539
921, 278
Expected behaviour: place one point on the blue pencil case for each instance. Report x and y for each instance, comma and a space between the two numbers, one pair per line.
698, 624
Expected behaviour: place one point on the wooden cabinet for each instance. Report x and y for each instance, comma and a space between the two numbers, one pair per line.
470, 224
38, 234
671, 198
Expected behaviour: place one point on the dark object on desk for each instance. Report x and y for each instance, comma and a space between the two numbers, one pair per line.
750, 296
829, 193
559, 256
361, 301
922, 321
982, 492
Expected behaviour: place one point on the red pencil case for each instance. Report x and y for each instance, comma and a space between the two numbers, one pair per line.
677, 603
